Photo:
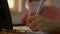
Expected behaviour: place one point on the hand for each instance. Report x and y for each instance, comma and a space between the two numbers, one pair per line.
34, 23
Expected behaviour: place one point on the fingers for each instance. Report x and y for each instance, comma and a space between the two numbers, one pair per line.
34, 23
38, 27
31, 25
35, 26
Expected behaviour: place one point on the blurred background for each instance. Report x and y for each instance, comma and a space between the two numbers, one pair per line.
17, 8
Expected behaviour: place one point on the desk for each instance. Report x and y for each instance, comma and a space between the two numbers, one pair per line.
11, 32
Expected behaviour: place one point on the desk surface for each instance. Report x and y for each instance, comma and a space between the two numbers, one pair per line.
10, 33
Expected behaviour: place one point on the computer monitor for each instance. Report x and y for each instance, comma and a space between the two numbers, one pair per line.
5, 17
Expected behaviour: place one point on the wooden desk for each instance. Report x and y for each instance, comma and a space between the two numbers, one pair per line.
11, 32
